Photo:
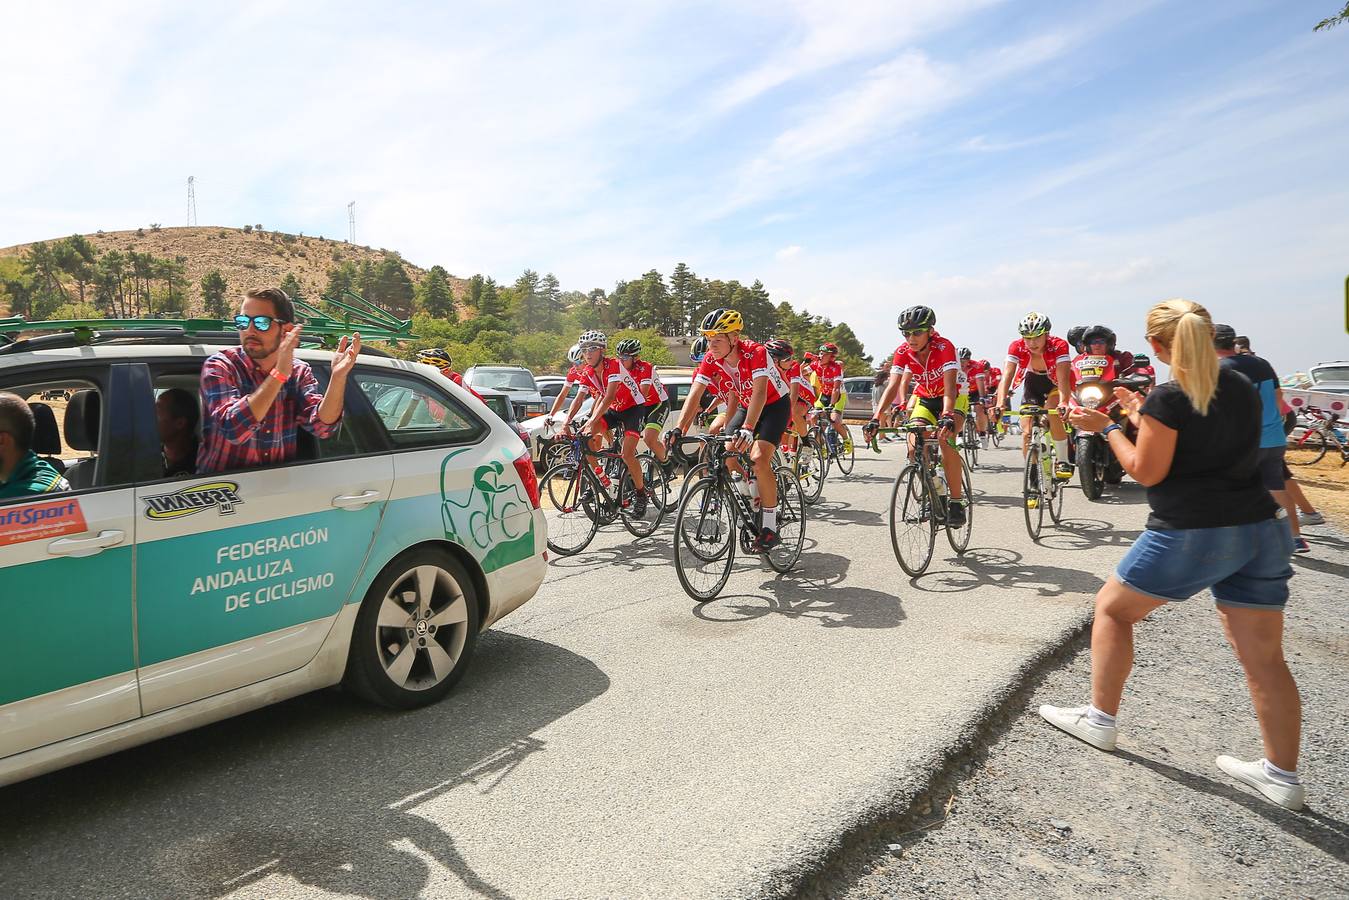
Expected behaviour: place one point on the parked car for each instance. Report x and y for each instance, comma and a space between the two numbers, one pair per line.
859, 397
541, 438
517, 381
550, 386
374, 559
499, 402
1330, 377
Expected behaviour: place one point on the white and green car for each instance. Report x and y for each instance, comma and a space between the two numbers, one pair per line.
135, 606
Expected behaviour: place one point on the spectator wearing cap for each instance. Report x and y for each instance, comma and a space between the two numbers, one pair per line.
22, 472
1273, 440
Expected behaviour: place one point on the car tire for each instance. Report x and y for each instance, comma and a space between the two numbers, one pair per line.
417, 660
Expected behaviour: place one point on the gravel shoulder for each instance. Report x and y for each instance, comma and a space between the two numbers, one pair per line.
1038, 814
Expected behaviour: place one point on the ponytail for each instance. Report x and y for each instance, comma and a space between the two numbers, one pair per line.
1186, 329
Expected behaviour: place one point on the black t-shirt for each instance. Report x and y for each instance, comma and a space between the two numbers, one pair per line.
1213, 482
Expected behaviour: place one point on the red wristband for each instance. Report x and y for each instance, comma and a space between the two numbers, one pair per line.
276, 373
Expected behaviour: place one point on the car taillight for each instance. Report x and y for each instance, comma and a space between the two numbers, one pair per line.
524, 465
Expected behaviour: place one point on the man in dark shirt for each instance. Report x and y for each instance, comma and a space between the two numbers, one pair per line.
257, 395
176, 414
1273, 441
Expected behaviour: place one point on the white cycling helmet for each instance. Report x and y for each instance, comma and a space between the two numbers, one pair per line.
574, 355
593, 339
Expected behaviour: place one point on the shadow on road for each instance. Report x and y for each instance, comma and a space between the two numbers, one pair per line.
994, 567
814, 590
323, 789
1085, 534
1321, 831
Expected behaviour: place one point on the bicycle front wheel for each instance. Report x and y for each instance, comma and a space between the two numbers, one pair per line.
791, 521
970, 439
960, 537
571, 520
846, 452
1033, 499
653, 482
913, 526
1310, 450
811, 464
704, 543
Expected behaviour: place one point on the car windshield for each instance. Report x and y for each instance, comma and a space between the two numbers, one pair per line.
1330, 373
504, 379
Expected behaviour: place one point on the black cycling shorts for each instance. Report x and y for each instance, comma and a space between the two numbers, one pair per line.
773, 421
630, 420
1036, 389
655, 414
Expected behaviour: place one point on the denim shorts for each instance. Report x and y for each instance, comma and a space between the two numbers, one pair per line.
1244, 565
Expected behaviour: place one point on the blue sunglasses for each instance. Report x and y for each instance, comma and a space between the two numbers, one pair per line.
261, 323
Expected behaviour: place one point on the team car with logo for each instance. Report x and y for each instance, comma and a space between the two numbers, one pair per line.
137, 605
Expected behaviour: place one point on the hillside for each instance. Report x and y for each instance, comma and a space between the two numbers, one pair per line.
258, 258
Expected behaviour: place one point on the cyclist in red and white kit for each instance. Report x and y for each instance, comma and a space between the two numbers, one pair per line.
765, 400
618, 405
573, 377
831, 398
1040, 361
976, 370
799, 376
654, 395
927, 362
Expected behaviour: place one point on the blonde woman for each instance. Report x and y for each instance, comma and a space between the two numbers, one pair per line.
1212, 526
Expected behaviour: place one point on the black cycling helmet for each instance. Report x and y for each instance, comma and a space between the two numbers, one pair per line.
778, 348
917, 317
699, 349
1099, 333
628, 347
435, 356
1142, 359
1074, 337
966, 354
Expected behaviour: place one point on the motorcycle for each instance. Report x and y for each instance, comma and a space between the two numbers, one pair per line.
1095, 381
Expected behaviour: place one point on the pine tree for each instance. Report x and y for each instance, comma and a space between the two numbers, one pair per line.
434, 296
528, 306
213, 288
686, 296
291, 285
341, 279
395, 287
550, 294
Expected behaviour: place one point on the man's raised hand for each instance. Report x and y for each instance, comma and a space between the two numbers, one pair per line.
285, 357
345, 356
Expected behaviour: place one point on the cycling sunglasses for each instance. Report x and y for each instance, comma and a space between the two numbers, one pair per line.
261, 323
913, 332
627, 355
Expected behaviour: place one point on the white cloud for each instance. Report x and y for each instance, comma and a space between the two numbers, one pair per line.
788, 252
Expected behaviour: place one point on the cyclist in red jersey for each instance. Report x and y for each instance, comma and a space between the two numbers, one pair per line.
798, 380
654, 395
976, 370
573, 377
617, 405
831, 397
765, 400
927, 362
435, 356
1041, 361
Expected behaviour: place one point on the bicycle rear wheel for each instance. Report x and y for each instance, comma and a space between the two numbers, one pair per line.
1032, 493
654, 481
791, 521
704, 544
846, 453
913, 527
811, 464
971, 441
571, 522
1310, 450
960, 537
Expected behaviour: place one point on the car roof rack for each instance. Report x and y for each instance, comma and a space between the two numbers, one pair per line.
322, 328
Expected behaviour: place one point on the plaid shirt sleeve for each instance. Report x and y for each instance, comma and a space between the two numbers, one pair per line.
227, 403
307, 412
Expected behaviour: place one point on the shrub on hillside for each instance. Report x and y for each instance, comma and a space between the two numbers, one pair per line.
248, 229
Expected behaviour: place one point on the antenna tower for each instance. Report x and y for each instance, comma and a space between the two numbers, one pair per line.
191, 200
351, 222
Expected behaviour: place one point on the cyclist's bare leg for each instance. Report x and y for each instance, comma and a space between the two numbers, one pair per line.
950, 461
761, 454
836, 418
1056, 428
1026, 423
651, 437
980, 418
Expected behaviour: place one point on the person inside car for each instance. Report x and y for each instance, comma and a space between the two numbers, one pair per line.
22, 472
258, 395
176, 414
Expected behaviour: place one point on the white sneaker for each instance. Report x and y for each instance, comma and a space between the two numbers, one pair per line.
1289, 796
1075, 722
1311, 518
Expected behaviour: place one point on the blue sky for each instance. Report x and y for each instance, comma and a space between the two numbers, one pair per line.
983, 157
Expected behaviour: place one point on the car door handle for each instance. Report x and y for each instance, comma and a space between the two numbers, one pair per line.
78, 547
356, 501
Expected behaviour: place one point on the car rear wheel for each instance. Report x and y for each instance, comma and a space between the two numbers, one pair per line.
415, 632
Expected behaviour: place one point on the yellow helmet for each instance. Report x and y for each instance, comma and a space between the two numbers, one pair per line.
722, 321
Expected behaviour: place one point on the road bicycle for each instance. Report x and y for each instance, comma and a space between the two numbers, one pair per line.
591, 488
839, 452
920, 499
1040, 489
809, 463
1323, 430
969, 440
717, 512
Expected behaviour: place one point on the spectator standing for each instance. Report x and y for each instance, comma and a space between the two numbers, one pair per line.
1212, 526
1273, 441
257, 395
22, 472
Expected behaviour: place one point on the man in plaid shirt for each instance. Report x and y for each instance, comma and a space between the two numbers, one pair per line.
256, 395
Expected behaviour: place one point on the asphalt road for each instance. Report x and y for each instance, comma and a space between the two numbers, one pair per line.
614, 739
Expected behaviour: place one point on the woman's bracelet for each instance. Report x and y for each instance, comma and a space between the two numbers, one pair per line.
1113, 426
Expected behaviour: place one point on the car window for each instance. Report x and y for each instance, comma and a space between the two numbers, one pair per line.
681, 393
69, 417
499, 405
503, 379
416, 413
